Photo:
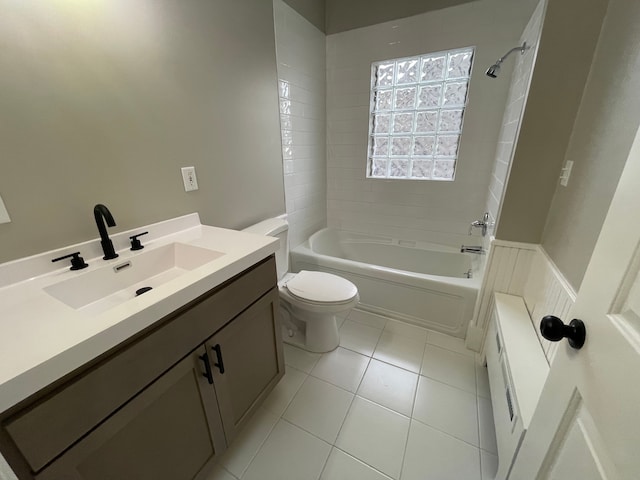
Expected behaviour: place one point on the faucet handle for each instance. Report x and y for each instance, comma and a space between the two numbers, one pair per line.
77, 262
476, 224
135, 243
485, 223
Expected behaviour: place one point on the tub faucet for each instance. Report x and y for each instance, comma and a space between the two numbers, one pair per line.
484, 224
475, 249
102, 214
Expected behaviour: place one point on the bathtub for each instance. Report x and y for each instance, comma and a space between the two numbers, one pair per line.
420, 283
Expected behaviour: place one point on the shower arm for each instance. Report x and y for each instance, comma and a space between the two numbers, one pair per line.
522, 49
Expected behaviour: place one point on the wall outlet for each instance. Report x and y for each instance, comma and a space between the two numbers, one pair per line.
189, 179
4, 215
566, 173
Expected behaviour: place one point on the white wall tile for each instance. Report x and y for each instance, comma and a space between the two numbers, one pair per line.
520, 79
300, 49
349, 57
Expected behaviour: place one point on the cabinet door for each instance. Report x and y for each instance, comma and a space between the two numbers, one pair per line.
171, 430
247, 361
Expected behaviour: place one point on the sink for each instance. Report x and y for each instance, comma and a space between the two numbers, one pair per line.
99, 290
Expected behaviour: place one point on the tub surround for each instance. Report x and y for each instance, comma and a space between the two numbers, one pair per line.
43, 339
300, 49
514, 111
414, 209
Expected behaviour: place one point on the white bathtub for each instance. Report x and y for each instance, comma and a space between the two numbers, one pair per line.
420, 283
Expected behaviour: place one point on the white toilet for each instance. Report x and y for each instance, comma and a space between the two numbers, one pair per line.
309, 301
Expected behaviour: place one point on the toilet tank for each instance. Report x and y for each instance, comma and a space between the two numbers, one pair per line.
275, 227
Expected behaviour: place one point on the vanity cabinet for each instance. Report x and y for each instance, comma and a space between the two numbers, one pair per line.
162, 405
170, 430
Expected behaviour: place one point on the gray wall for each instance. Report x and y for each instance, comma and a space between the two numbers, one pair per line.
105, 101
563, 64
604, 130
334, 16
312, 10
345, 15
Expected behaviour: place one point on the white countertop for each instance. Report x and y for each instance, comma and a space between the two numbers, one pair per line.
42, 338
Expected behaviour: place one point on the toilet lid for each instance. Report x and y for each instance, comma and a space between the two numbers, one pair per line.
321, 287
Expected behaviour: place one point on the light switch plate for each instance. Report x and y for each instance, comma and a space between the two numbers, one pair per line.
4, 215
566, 173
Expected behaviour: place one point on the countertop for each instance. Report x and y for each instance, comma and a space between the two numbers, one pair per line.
43, 339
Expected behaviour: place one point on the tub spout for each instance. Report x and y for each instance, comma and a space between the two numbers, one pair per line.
472, 249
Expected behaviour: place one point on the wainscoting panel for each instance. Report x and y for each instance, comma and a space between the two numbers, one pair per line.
506, 271
525, 270
546, 292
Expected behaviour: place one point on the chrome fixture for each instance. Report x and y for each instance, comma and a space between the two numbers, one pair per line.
475, 249
494, 69
102, 214
484, 224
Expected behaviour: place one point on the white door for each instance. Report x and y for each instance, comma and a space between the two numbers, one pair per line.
587, 424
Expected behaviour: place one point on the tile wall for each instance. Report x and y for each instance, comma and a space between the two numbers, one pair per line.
434, 211
520, 80
300, 51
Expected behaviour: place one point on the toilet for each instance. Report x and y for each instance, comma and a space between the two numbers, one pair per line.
309, 301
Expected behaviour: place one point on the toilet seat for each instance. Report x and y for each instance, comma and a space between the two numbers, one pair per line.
320, 288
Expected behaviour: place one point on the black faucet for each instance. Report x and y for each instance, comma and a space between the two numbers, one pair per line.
102, 213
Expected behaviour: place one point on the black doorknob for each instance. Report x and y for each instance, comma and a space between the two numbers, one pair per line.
553, 329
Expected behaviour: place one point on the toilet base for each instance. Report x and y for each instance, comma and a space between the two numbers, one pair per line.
318, 333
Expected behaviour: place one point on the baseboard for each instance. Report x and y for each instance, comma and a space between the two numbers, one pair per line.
473, 340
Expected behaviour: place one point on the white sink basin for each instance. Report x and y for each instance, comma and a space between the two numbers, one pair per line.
99, 290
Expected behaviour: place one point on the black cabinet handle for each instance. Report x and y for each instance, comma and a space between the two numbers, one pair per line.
220, 363
207, 367
553, 329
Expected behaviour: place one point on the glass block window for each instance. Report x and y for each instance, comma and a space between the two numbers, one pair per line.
416, 115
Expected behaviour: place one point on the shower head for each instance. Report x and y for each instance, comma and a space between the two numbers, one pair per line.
494, 69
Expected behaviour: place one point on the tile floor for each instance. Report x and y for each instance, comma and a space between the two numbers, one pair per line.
394, 401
